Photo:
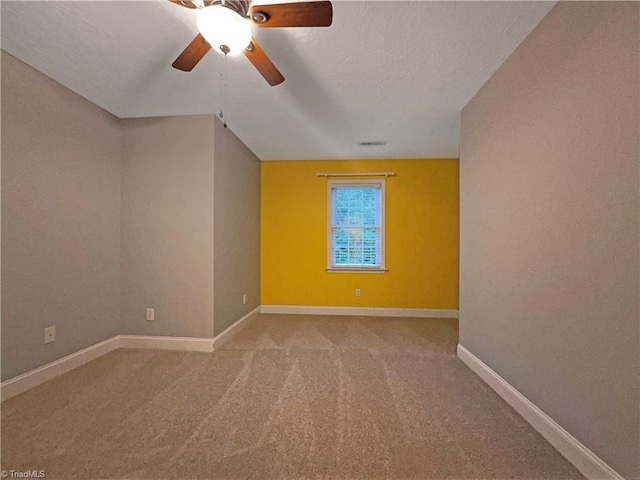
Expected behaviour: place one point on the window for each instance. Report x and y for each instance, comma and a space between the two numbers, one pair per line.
355, 234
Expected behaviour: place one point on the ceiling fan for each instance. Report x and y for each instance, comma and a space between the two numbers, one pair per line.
225, 26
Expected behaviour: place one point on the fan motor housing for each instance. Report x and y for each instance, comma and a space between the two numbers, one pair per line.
241, 7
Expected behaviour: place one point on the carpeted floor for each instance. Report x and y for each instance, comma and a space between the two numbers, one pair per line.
290, 397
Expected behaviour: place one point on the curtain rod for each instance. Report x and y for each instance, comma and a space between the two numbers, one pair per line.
381, 174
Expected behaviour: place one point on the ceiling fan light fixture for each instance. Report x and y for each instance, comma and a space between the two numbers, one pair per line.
225, 30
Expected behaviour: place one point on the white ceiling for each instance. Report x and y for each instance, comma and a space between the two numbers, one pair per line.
385, 70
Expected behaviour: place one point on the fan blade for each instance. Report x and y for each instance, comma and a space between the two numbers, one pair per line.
191, 55
185, 3
267, 69
193, 3
303, 14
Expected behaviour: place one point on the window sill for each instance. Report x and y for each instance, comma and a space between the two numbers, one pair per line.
356, 270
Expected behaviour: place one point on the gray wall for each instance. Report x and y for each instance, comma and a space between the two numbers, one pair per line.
236, 229
167, 226
103, 218
549, 260
60, 220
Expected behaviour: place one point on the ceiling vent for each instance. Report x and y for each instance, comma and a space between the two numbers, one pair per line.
374, 143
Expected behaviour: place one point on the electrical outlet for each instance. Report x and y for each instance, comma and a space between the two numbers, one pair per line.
244, 298
151, 314
357, 292
50, 334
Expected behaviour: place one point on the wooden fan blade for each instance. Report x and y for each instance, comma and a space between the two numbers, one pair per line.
191, 55
267, 69
303, 14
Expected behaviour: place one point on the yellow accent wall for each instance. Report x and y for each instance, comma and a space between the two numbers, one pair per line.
421, 236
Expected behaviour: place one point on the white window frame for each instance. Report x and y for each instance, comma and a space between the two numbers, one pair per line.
333, 184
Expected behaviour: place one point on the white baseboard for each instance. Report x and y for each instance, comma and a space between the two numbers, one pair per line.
21, 383
167, 343
186, 343
228, 333
587, 462
360, 311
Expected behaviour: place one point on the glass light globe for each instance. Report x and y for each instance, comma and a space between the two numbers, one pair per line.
222, 27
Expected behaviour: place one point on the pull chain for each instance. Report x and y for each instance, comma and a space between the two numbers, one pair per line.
225, 88
223, 92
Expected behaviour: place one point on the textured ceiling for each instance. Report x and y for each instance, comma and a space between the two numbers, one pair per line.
393, 71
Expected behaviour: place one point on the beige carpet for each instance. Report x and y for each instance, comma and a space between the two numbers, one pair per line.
290, 397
